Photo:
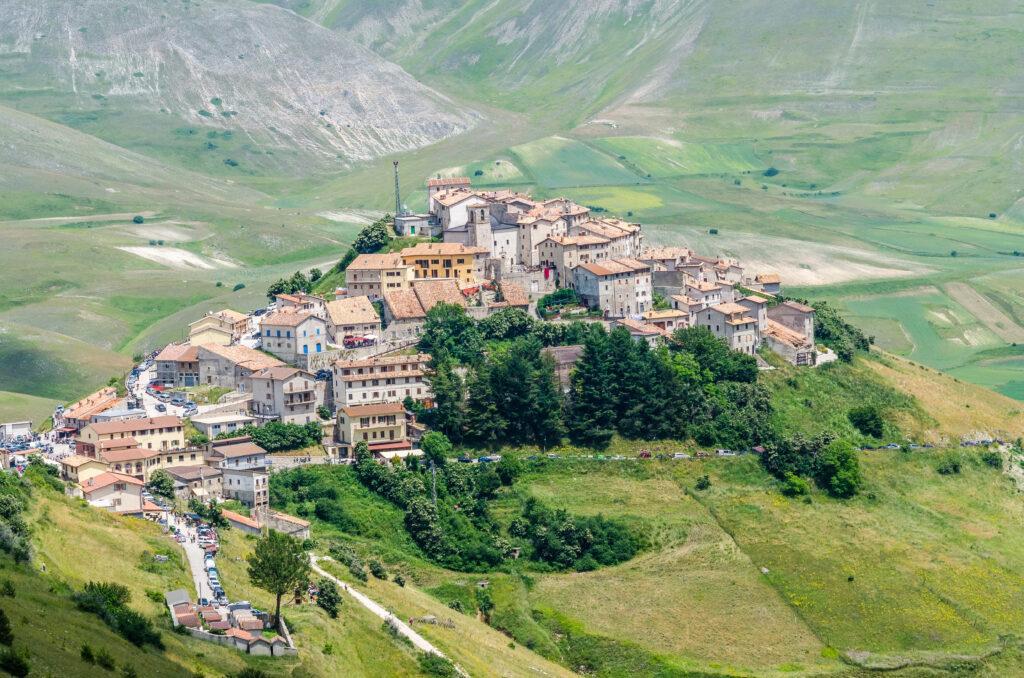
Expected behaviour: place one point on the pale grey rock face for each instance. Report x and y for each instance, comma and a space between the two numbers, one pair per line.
281, 79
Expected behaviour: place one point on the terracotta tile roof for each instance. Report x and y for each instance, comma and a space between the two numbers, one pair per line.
210, 616
147, 505
565, 354
432, 292
376, 262
404, 304
280, 373
251, 625
514, 294
148, 424
577, 240
219, 625
616, 266
189, 356
685, 301
702, 286
755, 299
452, 181
352, 311
440, 249
76, 460
667, 313
767, 278
783, 334
134, 454
237, 450
289, 298
374, 410
242, 356
238, 633
287, 318
190, 620
797, 306
637, 327
182, 608
171, 352
729, 308
102, 480
664, 253
90, 402
190, 473
454, 196
231, 316
241, 520
382, 361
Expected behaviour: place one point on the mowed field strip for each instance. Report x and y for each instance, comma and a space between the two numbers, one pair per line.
994, 319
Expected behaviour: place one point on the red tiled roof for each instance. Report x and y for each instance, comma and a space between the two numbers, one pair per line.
374, 410
451, 181
238, 633
190, 620
106, 478
233, 517
514, 294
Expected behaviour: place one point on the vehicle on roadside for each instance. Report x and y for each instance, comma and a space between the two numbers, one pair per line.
465, 460
681, 455
178, 400
160, 407
553, 456
644, 455
532, 457
203, 602
701, 455
485, 459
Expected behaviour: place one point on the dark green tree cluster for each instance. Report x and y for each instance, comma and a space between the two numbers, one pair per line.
867, 419
694, 388
15, 532
109, 602
212, 513
328, 598
278, 565
373, 237
832, 462
579, 542
297, 283
279, 437
161, 484
514, 398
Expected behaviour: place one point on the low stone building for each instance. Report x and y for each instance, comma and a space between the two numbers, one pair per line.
200, 482
619, 287
352, 317
733, 323
286, 394
381, 379
288, 334
249, 486
372, 275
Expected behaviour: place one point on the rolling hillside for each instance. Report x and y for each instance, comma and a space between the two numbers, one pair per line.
141, 74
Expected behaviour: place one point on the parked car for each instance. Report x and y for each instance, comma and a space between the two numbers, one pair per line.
553, 456
701, 455
465, 460
203, 602
681, 455
484, 459
532, 457
160, 407
178, 400
644, 455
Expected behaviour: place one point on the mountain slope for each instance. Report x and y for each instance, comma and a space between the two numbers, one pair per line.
562, 55
134, 73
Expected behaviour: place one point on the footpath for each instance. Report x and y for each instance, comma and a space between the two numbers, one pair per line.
376, 608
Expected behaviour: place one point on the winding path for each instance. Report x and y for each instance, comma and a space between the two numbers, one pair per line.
376, 608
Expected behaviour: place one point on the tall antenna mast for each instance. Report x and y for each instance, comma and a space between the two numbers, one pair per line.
398, 198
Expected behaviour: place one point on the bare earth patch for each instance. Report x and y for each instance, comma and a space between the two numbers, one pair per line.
172, 257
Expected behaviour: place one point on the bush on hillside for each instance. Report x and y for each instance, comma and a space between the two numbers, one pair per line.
373, 237
14, 662
794, 486
951, 464
377, 569
137, 219
109, 601
992, 458
280, 437
867, 419
433, 664
239, 286
328, 598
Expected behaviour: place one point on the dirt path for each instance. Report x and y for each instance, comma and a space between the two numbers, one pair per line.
376, 608
994, 319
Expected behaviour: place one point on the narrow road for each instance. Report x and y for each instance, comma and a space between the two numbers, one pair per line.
418, 641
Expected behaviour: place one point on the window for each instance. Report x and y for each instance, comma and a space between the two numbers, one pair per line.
278, 333
318, 345
305, 348
288, 333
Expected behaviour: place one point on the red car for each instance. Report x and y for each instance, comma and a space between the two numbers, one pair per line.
644, 455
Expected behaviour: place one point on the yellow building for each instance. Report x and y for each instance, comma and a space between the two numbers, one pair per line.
446, 260
371, 275
382, 426
152, 433
78, 468
208, 333
142, 463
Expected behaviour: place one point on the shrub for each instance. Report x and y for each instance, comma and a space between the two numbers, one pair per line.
155, 595
949, 465
219, 284
328, 649
323, 412
478, 173
992, 458
239, 286
128, 671
867, 419
377, 569
329, 599
104, 659
356, 568
455, 605
435, 665
713, 231
399, 579
14, 663
87, 655
6, 633
703, 483
839, 469
250, 672
771, 172
7, 588
794, 485
137, 219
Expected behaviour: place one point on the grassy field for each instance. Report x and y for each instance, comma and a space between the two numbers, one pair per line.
558, 162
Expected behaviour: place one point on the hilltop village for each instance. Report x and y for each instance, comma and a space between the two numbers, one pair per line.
349, 364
